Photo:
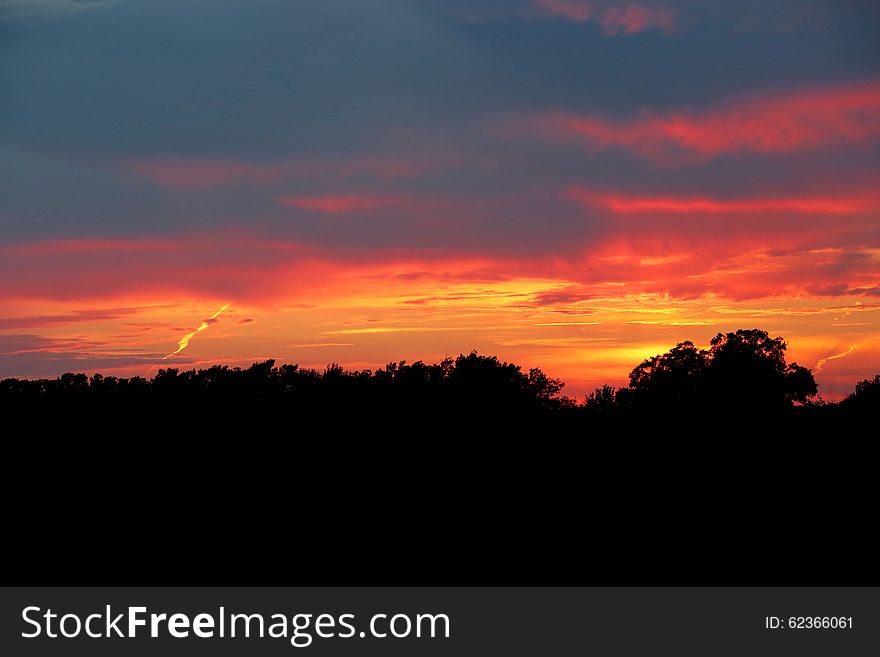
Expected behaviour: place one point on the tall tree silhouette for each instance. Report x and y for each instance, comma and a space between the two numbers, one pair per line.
743, 372
747, 369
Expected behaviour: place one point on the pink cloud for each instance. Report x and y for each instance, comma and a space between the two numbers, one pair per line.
340, 203
569, 9
783, 122
615, 18
635, 18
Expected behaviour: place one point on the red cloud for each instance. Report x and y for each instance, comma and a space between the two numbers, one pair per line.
749, 258
339, 204
626, 18
622, 203
845, 115
632, 19
233, 264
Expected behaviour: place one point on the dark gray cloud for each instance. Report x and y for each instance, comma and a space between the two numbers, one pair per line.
39, 321
260, 83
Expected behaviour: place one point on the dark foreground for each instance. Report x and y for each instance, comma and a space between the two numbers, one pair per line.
718, 467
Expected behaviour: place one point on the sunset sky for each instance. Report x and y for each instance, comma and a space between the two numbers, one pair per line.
574, 185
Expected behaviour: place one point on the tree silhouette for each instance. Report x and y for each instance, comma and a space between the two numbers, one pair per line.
672, 379
742, 375
865, 398
602, 401
747, 370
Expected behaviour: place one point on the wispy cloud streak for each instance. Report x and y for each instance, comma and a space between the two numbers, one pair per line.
184, 341
822, 361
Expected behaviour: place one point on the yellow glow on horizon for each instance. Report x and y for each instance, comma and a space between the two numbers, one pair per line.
582, 334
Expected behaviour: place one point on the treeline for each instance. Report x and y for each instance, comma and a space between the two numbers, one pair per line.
743, 375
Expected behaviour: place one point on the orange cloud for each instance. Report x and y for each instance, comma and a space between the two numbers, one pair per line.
807, 119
